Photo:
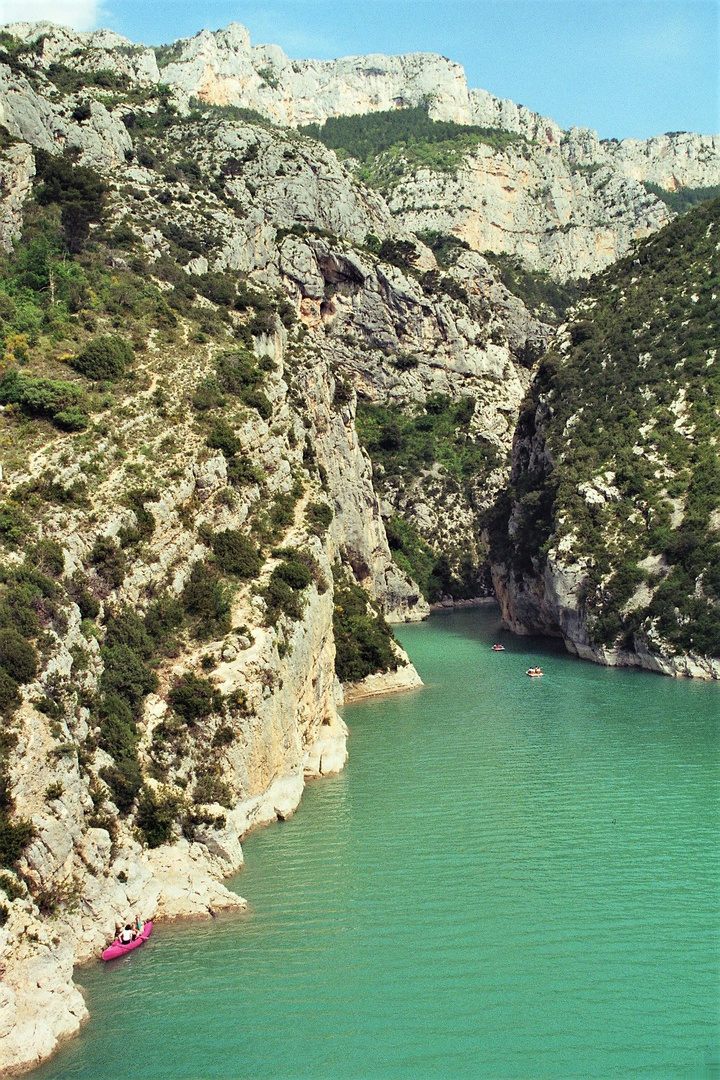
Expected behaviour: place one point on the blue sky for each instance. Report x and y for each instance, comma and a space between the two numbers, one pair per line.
623, 67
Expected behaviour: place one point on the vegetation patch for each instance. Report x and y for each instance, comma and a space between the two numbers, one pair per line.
206, 600
363, 638
236, 554
546, 298
63, 403
106, 357
395, 143
156, 815
194, 698
683, 199
288, 581
405, 442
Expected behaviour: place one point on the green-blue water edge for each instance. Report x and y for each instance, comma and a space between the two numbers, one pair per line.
513, 878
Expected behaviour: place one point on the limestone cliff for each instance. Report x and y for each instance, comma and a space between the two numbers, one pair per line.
563, 201
199, 312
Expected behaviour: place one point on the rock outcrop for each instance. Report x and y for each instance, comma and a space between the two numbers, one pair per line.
566, 217
563, 201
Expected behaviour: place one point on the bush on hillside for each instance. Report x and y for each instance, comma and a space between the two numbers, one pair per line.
363, 639
54, 399
236, 554
104, 358
18, 658
156, 816
206, 599
194, 698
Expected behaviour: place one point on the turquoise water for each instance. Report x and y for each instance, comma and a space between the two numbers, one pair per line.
513, 878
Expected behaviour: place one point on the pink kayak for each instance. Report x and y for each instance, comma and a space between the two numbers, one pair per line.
118, 949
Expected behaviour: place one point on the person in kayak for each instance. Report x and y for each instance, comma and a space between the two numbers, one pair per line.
127, 935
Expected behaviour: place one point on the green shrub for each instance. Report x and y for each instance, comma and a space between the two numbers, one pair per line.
14, 838
238, 371
12, 889
53, 399
126, 627
222, 437
318, 517
207, 600
48, 556
125, 781
194, 698
287, 581
77, 190
104, 358
445, 247
236, 554
280, 599
144, 526
18, 608
241, 472
163, 616
18, 658
82, 112
363, 639
14, 526
405, 138
81, 595
210, 788
9, 693
156, 816
545, 297
109, 561
256, 399
208, 395
685, 198
294, 573
126, 675
405, 362
408, 441
224, 736
119, 735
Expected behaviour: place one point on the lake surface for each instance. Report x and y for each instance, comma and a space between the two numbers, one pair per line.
513, 878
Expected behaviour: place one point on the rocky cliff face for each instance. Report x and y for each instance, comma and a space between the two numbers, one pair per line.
609, 538
568, 219
564, 202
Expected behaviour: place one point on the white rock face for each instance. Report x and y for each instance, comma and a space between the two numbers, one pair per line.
538, 206
563, 201
390, 682
17, 169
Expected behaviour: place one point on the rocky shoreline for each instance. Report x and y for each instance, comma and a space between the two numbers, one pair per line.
41, 1007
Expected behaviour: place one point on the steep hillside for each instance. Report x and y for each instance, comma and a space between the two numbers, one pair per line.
610, 535
562, 201
193, 556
